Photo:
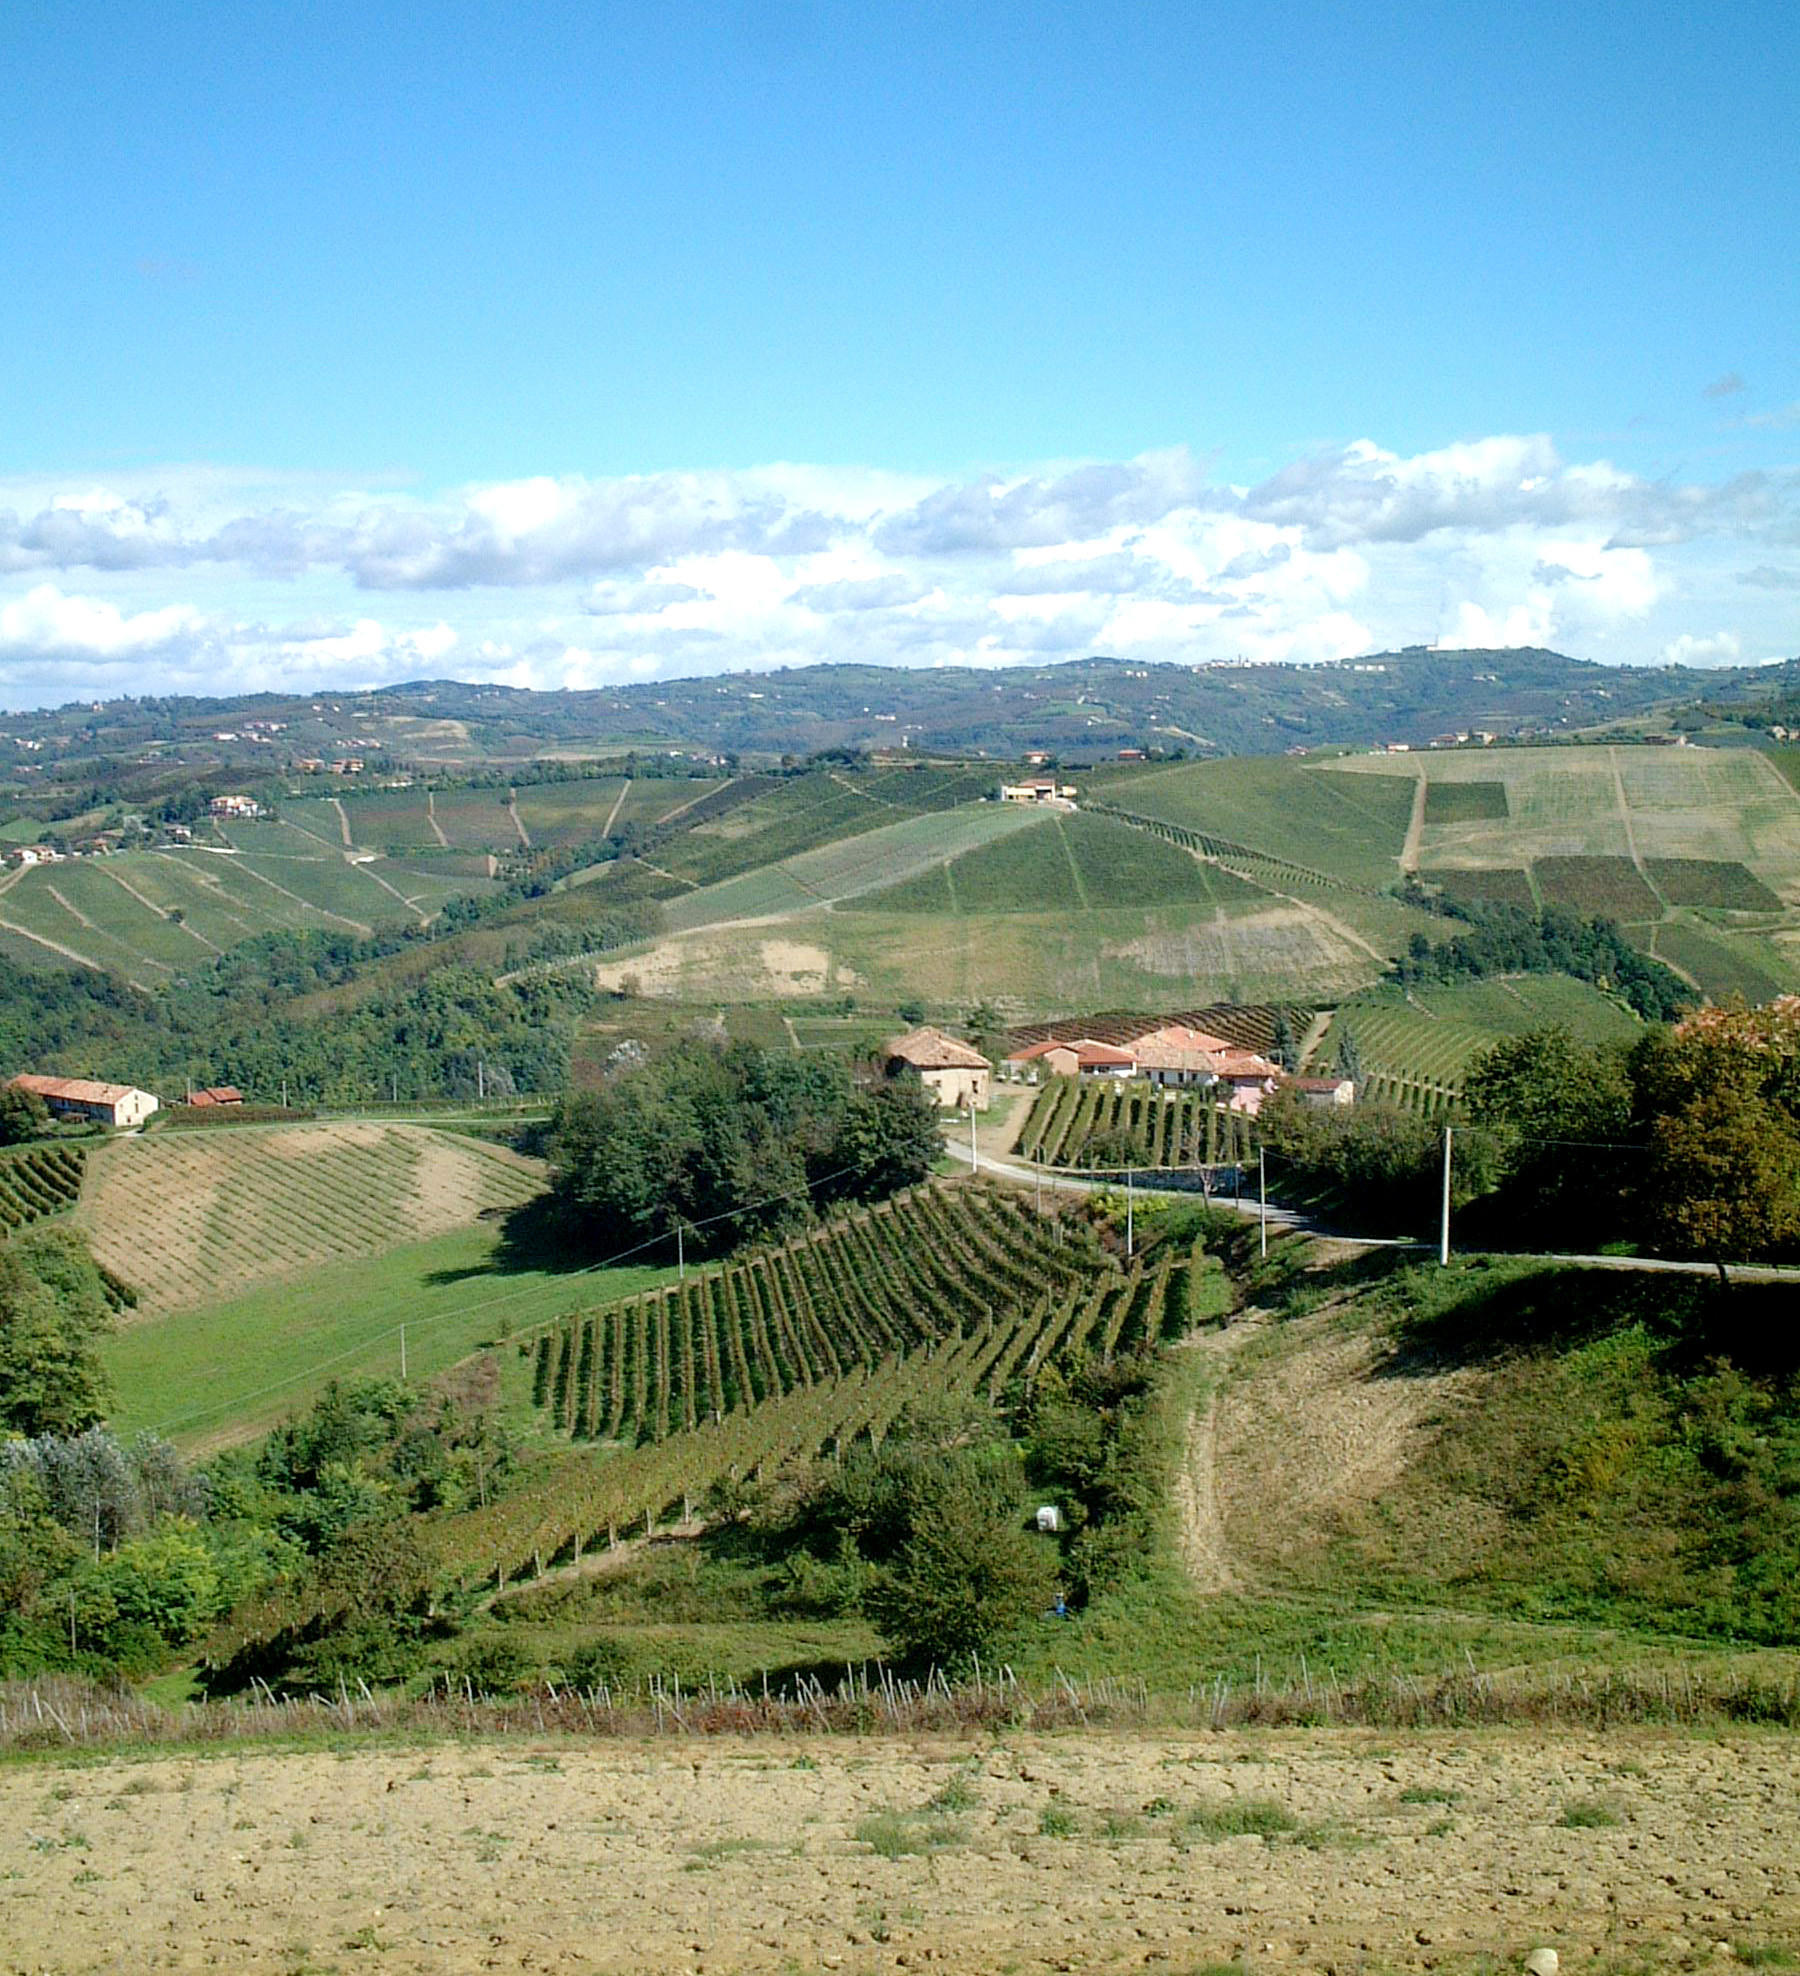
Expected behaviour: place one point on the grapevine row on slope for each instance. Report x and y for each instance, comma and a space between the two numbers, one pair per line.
928, 1266
1168, 1127
591, 1498
40, 1181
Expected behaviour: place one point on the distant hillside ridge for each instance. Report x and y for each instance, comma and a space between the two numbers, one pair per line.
1089, 706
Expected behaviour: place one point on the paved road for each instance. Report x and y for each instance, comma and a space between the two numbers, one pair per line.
1279, 1217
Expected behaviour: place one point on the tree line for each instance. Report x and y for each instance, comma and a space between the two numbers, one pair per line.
1683, 1141
732, 1144
1503, 939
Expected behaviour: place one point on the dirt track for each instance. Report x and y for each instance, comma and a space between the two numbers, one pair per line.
1071, 1853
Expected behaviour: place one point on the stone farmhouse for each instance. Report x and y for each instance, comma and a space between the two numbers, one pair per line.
956, 1074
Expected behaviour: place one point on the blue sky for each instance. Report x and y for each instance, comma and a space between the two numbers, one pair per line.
569, 343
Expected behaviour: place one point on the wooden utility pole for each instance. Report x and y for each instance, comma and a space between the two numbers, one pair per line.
1262, 1197
1444, 1219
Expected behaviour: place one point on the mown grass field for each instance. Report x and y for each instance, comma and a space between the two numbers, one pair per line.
232, 1368
185, 1217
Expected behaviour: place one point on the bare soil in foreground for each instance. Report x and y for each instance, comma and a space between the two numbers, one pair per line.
1077, 1852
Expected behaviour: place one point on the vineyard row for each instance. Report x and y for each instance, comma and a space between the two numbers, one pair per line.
40, 1181
1006, 1299
1166, 1128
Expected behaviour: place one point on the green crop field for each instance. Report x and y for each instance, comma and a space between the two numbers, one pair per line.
1349, 827
560, 813
230, 1369
1074, 864
851, 866
152, 916
1715, 883
792, 1351
1464, 802
186, 1217
1722, 964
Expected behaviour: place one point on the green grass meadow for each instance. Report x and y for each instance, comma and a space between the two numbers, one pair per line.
231, 1370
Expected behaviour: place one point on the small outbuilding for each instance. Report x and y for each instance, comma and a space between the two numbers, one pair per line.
1323, 1093
955, 1074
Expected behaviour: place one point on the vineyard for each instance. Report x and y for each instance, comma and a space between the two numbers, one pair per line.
1491, 885
1465, 802
194, 1218
1248, 866
40, 1181
785, 1354
1315, 825
1721, 884
1415, 1046
1169, 1128
1073, 864
1613, 887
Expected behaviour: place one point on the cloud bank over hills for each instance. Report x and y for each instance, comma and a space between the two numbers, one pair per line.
206, 579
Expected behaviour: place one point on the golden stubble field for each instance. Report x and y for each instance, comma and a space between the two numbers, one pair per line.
1073, 1852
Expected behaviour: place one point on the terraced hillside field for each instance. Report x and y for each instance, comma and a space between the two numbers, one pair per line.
188, 1218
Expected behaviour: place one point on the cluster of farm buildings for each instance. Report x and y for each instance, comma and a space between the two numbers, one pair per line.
1172, 1054
121, 1105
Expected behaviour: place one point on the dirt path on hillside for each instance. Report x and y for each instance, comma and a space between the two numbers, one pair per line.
1073, 1853
1415, 826
437, 829
1200, 1523
1631, 842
